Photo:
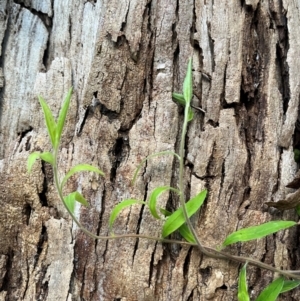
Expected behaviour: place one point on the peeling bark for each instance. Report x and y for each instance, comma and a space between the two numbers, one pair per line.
124, 58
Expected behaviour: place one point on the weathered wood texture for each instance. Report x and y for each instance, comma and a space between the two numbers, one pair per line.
124, 58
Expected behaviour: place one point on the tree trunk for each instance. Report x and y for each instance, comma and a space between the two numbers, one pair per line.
124, 58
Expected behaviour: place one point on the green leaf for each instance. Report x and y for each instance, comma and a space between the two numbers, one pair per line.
188, 84
176, 220
257, 232
78, 168
48, 157
271, 292
62, 116
243, 287
149, 157
191, 115
289, 285
179, 98
118, 208
154, 196
73, 197
186, 233
31, 160
70, 202
183, 230
165, 212
50, 122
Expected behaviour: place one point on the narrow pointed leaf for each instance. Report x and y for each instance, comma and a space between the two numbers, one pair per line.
183, 230
188, 84
179, 98
257, 232
186, 233
62, 116
78, 168
70, 202
80, 199
288, 285
50, 122
243, 287
118, 208
176, 220
73, 197
149, 157
165, 212
271, 292
48, 157
31, 160
154, 196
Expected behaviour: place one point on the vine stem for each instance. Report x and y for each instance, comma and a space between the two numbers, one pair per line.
208, 251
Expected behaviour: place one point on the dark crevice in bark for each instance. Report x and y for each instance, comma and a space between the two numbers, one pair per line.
213, 123
91, 1
147, 12
211, 46
101, 215
151, 265
8, 267
111, 115
4, 43
205, 274
124, 23
42, 285
82, 289
42, 194
193, 29
24, 131
176, 84
40, 245
47, 21
190, 296
296, 136
223, 175
26, 211
27, 279
117, 157
293, 248
105, 251
46, 57
91, 110
136, 245
186, 266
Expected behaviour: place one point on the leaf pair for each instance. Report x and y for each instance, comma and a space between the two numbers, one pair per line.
46, 156
175, 221
270, 293
185, 98
55, 129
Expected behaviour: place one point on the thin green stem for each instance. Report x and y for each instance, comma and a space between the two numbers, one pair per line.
181, 184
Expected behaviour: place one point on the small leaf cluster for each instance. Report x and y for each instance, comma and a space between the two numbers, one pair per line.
54, 129
270, 293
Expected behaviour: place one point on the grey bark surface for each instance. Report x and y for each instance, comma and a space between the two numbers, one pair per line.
124, 58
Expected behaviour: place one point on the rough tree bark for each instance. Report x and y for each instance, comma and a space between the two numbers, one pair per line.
131, 55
